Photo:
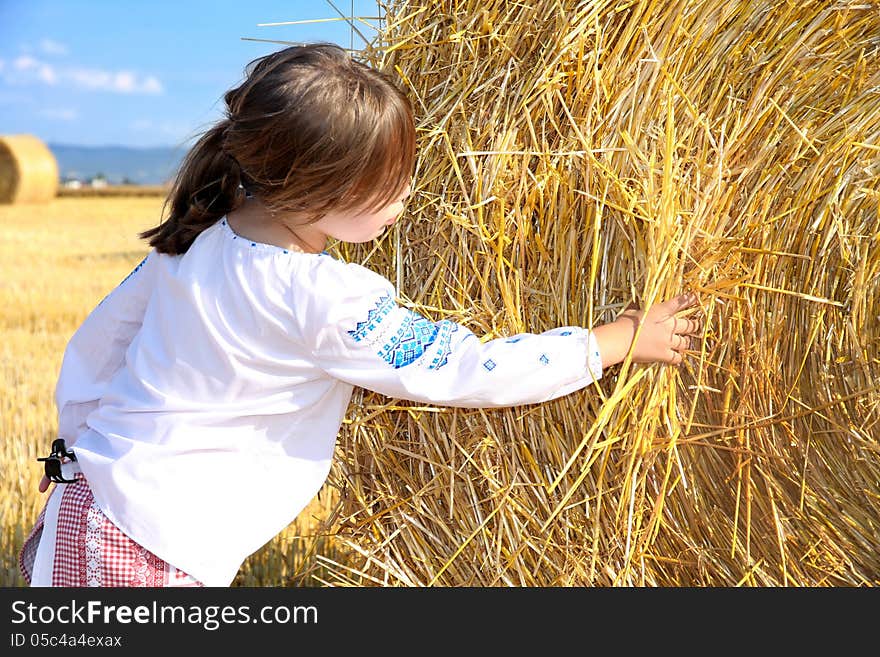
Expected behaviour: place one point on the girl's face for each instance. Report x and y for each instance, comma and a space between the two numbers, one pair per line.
357, 228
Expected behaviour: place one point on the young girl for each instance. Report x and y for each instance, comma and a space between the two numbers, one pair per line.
200, 401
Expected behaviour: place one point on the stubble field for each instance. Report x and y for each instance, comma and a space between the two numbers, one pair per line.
57, 261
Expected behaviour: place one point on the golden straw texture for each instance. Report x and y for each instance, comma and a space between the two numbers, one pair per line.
576, 156
28, 170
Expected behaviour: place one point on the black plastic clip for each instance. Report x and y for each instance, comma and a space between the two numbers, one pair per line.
53, 462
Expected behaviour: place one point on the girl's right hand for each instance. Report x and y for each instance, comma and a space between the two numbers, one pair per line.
44, 484
662, 339
664, 336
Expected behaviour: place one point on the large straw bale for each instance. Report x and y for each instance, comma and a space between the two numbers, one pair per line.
28, 170
576, 156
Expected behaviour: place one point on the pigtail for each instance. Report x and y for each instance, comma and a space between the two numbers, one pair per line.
207, 186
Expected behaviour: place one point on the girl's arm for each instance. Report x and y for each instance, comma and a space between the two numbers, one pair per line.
96, 351
363, 337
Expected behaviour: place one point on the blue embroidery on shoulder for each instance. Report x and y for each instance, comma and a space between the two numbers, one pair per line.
414, 335
513, 339
131, 273
383, 306
565, 333
135, 270
489, 365
544, 359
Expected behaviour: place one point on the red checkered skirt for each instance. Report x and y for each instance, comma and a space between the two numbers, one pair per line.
74, 544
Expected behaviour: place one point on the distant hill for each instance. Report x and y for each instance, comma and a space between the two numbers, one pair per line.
141, 166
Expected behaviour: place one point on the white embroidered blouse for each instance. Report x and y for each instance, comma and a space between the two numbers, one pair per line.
204, 395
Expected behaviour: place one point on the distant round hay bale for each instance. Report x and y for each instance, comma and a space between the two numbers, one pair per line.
28, 170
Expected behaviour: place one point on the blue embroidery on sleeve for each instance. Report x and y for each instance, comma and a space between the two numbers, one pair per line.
489, 365
513, 340
565, 333
384, 305
414, 335
410, 340
443, 344
544, 359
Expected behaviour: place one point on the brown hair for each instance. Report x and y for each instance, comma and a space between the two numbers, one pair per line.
310, 130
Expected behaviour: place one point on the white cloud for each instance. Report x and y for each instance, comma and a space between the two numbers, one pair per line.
51, 47
25, 63
60, 114
152, 85
26, 69
89, 78
123, 82
47, 74
30, 68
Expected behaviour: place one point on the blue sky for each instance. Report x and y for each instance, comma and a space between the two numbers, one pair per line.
142, 72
